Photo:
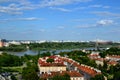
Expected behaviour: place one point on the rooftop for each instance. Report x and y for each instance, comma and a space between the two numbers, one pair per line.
112, 63
114, 56
57, 61
70, 73
87, 69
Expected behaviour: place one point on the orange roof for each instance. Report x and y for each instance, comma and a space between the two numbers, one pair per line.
60, 62
57, 61
99, 59
114, 56
112, 62
51, 64
70, 73
83, 68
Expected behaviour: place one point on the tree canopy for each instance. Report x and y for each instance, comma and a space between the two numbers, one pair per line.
9, 60
50, 60
98, 77
60, 77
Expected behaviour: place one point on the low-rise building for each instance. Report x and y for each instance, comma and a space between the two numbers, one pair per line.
74, 75
85, 70
113, 63
61, 63
113, 57
57, 65
99, 61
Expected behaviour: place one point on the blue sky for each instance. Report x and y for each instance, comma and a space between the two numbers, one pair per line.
60, 19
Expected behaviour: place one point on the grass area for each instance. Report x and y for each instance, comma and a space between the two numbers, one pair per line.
14, 69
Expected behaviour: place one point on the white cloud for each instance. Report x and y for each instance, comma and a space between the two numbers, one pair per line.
23, 2
10, 9
105, 22
60, 9
60, 2
106, 13
91, 6
28, 19
106, 6
86, 26
98, 6
15, 8
4, 1
95, 6
21, 19
61, 27
18, 6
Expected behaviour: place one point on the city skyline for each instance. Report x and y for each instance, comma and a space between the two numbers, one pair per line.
60, 20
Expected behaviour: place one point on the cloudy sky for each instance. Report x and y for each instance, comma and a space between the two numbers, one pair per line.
60, 19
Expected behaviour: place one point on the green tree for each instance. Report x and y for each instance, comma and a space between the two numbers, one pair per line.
50, 60
29, 74
111, 70
60, 77
105, 65
45, 54
9, 60
103, 54
98, 77
117, 75
113, 51
13, 77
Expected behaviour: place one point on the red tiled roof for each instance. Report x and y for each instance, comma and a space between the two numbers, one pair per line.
57, 61
112, 62
70, 73
114, 56
83, 68
99, 59
87, 70
60, 60
52, 64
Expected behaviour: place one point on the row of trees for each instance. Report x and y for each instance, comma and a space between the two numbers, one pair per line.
62, 45
14, 48
111, 51
67, 45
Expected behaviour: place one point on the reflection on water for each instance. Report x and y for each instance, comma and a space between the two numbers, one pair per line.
30, 52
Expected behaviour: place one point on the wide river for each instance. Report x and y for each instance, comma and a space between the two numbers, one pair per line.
30, 52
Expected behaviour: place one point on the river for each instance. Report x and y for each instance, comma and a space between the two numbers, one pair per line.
30, 52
